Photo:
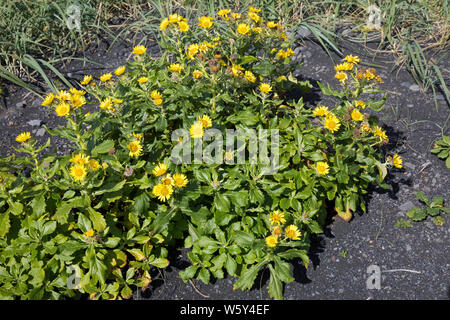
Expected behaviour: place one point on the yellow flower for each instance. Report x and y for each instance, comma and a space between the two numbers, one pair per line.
86, 80
62, 109
366, 127
78, 172
167, 180
397, 161
48, 99
120, 70
357, 115
255, 17
360, 104
184, 26
159, 170
352, 59
173, 18
164, 24
63, 95
277, 231
224, 14
94, 165
206, 22
105, 77
192, 50
250, 76
196, 130
322, 168
139, 49
175, 67
180, 180
380, 133
197, 74
243, 28
137, 136
236, 70
24, 136
332, 123
135, 148
142, 80
271, 241
341, 76
76, 91
106, 104
162, 191
90, 233
272, 24
158, 101
155, 94
277, 218
346, 66
320, 111
206, 121
257, 29
369, 74
292, 232
251, 9
77, 100
80, 159
265, 87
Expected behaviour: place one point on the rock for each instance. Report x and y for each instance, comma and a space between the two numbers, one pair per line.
406, 206
405, 84
303, 32
35, 123
40, 132
408, 247
410, 105
20, 104
414, 87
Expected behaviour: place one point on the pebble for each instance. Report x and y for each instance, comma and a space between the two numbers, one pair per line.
20, 104
414, 87
408, 247
410, 105
40, 132
303, 32
406, 206
405, 84
35, 123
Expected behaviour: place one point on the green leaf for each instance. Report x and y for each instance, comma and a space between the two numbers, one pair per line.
423, 198
248, 276
97, 219
275, 287
103, 147
231, 265
416, 214
160, 263
283, 270
437, 202
4, 224
188, 273
204, 275
109, 187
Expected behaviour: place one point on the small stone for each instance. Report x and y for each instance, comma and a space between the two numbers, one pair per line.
405, 84
414, 87
40, 132
35, 123
20, 104
408, 247
410, 105
303, 32
406, 206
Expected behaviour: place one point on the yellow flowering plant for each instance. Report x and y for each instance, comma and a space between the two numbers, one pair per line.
113, 208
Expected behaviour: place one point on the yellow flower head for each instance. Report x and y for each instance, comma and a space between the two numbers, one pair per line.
76, 91
224, 14
397, 161
90, 233
62, 109
63, 95
86, 80
24, 136
197, 74
256, 10
360, 104
322, 168
257, 29
175, 67
184, 26
80, 158
158, 101
292, 232
265, 87
196, 130
272, 24
180, 180
255, 17
77, 100
352, 59
357, 115
94, 165
135, 148
236, 70
48, 99
164, 24
155, 94
120, 70
277, 218
380, 133
167, 180
320, 111
250, 76
78, 172
139, 49
346, 66
271, 241
243, 28
162, 191
366, 127
106, 104
192, 50
159, 170
137, 136
341, 76
277, 231
332, 123
206, 121
105, 77
236, 15
206, 22
142, 80
174, 18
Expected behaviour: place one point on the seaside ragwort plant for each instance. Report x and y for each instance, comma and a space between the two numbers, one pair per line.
113, 209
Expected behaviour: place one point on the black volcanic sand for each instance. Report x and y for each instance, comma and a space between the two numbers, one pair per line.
414, 262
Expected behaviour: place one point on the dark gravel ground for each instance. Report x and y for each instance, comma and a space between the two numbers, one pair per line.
414, 262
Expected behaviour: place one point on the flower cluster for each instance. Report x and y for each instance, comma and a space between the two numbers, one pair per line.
277, 220
165, 188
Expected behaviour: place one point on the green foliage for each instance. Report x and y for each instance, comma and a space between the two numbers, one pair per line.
442, 149
114, 208
434, 209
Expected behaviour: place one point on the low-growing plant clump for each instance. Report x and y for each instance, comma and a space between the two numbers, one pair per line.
98, 221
